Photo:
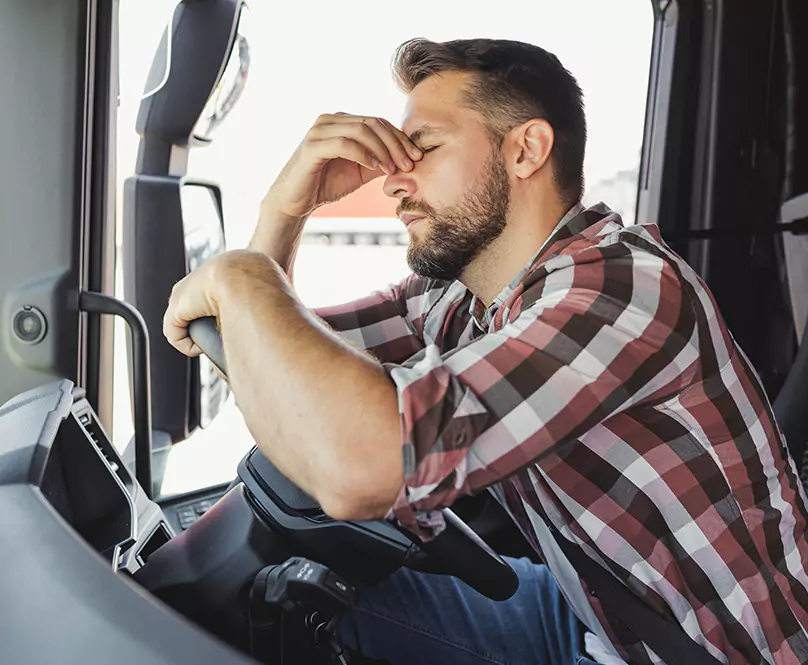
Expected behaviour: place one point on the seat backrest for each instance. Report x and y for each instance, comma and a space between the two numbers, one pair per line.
791, 406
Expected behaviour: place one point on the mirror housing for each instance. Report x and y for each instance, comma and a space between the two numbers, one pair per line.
204, 36
176, 224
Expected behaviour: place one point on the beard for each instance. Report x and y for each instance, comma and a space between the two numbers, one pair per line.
457, 234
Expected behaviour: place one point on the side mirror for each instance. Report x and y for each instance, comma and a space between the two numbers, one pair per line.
180, 225
203, 221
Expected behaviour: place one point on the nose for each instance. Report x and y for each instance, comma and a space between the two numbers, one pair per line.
399, 184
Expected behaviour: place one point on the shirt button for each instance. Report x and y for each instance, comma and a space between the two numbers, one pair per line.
592, 593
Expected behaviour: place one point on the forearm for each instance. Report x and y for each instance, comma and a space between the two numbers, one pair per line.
323, 412
278, 237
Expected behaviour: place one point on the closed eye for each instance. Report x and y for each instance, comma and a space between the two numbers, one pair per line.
428, 150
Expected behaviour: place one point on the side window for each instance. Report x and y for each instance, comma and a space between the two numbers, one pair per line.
301, 68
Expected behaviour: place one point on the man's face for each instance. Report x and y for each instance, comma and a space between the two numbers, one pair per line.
456, 199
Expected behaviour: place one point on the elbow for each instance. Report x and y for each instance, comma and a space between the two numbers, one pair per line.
361, 481
361, 501
348, 510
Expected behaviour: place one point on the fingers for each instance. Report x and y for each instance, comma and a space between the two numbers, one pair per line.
176, 333
402, 150
414, 151
387, 144
189, 300
342, 147
175, 330
344, 139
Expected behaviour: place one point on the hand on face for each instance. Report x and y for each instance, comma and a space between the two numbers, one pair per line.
339, 154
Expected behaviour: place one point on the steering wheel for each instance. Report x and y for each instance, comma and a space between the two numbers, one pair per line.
457, 551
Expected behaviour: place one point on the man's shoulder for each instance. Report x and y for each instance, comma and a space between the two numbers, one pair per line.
606, 241
597, 225
607, 257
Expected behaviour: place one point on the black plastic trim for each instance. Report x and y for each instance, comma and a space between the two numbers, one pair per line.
100, 303
101, 190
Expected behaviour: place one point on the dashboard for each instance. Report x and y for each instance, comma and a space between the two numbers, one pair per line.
87, 483
75, 526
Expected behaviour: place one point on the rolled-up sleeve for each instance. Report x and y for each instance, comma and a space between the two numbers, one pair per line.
568, 361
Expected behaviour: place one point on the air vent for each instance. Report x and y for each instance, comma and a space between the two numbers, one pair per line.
99, 438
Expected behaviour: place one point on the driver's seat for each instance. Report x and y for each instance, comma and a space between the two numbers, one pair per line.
791, 407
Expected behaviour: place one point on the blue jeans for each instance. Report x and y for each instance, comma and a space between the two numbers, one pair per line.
415, 618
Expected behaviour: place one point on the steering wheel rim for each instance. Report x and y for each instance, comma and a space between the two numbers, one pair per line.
458, 550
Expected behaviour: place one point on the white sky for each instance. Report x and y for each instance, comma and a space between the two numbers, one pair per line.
321, 56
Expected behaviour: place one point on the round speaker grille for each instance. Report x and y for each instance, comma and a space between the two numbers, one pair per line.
30, 325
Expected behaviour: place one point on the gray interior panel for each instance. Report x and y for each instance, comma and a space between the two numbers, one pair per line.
62, 603
40, 45
89, 614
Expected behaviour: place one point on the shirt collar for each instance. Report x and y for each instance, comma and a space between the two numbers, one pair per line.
481, 315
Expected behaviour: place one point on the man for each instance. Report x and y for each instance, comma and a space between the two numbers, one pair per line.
577, 369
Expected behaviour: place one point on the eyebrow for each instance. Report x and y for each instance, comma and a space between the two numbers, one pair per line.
419, 133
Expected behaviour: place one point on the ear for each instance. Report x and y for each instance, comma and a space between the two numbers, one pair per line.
533, 144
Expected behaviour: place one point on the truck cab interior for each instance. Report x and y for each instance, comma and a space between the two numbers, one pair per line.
96, 566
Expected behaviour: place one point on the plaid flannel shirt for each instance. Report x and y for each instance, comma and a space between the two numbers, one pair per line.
603, 392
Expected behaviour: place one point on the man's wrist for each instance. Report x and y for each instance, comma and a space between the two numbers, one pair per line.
271, 214
277, 234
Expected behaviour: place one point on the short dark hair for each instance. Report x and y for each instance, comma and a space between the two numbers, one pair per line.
513, 83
